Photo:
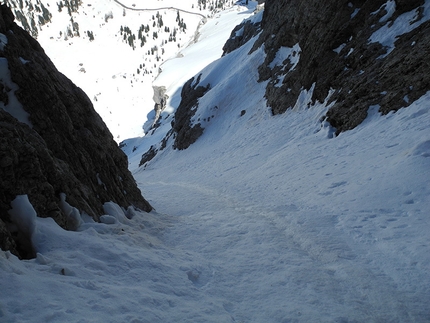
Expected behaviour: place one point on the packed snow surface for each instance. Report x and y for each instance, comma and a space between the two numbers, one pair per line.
263, 219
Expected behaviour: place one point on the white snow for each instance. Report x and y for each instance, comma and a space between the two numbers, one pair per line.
23, 215
338, 49
73, 215
388, 34
107, 67
114, 210
390, 8
208, 48
293, 54
263, 219
13, 106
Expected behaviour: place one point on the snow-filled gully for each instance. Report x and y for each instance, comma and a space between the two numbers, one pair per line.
263, 219
262, 265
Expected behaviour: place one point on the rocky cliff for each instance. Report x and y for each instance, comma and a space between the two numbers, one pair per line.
350, 47
350, 54
52, 142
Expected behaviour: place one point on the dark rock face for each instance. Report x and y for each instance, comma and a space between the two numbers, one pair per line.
336, 54
64, 148
249, 30
186, 132
149, 155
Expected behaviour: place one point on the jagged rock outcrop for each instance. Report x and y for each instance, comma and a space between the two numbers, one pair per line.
241, 34
336, 54
149, 155
160, 98
187, 132
52, 142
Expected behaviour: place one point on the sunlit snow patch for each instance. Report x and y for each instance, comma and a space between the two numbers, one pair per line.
390, 8
389, 33
286, 53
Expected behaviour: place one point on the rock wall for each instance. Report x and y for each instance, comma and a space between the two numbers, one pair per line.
187, 132
331, 52
52, 141
184, 131
335, 53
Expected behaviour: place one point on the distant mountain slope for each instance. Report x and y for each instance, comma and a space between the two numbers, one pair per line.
128, 41
54, 147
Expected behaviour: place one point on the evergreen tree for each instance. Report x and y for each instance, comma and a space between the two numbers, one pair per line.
90, 35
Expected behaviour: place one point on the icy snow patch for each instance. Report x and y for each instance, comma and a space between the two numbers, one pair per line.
356, 11
24, 61
338, 49
13, 107
390, 7
23, 214
113, 209
74, 219
239, 32
388, 34
3, 41
292, 53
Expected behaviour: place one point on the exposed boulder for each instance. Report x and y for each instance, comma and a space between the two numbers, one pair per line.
52, 142
336, 54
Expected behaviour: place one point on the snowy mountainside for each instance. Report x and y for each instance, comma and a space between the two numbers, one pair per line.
263, 218
113, 49
355, 202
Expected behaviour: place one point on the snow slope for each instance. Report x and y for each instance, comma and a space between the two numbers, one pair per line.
263, 219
